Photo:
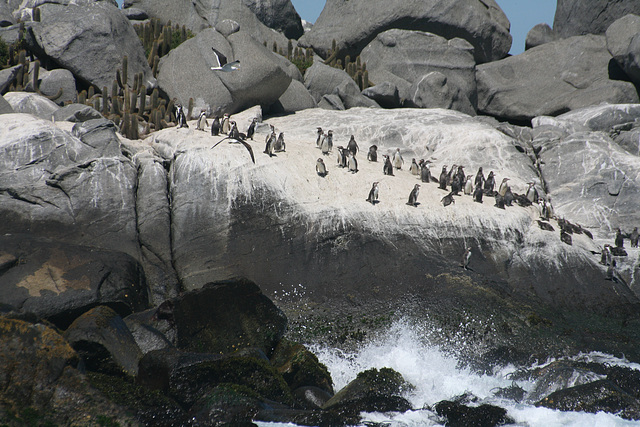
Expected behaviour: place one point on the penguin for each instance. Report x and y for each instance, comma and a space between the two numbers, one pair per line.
634, 238
504, 187
387, 169
252, 128
466, 258
225, 126
372, 155
425, 172
271, 140
489, 184
327, 143
342, 156
468, 186
215, 126
619, 242
182, 119
479, 178
545, 226
477, 194
414, 169
461, 176
532, 192
456, 186
448, 199
565, 237
413, 196
509, 197
353, 163
605, 259
202, 121
373, 194
320, 134
352, 146
452, 174
233, 132
321, 169
546, 213
499, 201
443, 178
397, 159
279, 145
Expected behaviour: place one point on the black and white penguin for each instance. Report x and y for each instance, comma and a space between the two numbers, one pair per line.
372, 155
479, 178
321, 169
225, 126
532, 192
252, 128
477, 194
443, 178
414, 168
352, 163
499, 201
452, 174
456, 186
425, 171
387, 168
271, 140
619, 241
373, 194
448, 199
413, 196
202, 123
606, 257
327, 143
509, 197
466, 258
460, 175
342, 156
234, 133
280, 145
398, 161
180, 117
504, 186
468, 186
352, 146
320, 134
489, 184
634, 237
566, 238
215, 126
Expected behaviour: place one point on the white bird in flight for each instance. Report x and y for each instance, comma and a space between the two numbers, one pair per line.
222, 63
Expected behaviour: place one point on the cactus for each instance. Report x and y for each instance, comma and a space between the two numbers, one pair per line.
91, 93
154, 98
126, 122
170, 108
36, 14
125, 67
134, 127
82, 97
143, 99
289, 49
365, 80
153, 53
105, 106
134, 99
156, 62
36, 74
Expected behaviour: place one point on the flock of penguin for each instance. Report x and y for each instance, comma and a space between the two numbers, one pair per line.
453, 180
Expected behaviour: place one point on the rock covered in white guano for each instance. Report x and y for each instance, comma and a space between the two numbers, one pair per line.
539, 34
551, 79
91, 41
186, 73
411, 55
576, 17
481, 23
623, 42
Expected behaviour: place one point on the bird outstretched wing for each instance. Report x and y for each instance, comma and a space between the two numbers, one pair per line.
242, 141
222, 60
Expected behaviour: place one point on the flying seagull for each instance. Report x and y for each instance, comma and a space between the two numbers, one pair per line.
222, 63
241, 141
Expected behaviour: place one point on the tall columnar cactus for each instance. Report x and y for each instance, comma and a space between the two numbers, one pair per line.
143, 99
105, 104
154, 98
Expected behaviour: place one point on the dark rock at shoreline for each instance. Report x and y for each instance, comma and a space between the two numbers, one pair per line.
299, 367
577, 17
458, 414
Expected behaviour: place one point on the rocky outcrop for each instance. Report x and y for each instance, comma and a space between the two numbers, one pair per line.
279, 15
623, 42
90, 41
575, 17
295, 98
539, 34
435, 90
31, 103
551, 79
322, 80
481, 23
5, 107
185, 73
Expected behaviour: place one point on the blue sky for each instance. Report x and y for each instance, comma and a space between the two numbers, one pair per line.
523, 15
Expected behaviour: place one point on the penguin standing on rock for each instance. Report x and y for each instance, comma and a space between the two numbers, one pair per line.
225, 126
425, 171
327, 143
252, 129
352, 146
413, 196
353, 163
280, 145
489, 184
466, 258
477, 194
443, 178
373, 194
398, 161
479, 178
468, 186
532, 192
414, 168
342, 156
215, 126
504, 187
321, 169
448, 199
387, 169
271, 140
320, 136
202, 121
182, 119
372, 155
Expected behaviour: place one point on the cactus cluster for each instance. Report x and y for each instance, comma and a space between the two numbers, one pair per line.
357, 70
158, 39
301, 58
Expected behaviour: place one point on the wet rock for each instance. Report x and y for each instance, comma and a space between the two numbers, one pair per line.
226, 404
482, 24
299, 367
551, 79
150, 330
538, 35
574, 17
560, 375
623, 42
104, 342
331, 102
457, 413
311, 397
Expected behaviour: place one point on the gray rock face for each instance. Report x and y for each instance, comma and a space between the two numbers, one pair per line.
202, 14
76, 113
185, 73
5, 107
90, 41
411, 55
539, 34
321, 80
331, 102
31, 103
295, 98
52, 81
279, 15
135, 14
551, 79
623, 42
435, 90
629, 141
576, 17
385, 94
481, 23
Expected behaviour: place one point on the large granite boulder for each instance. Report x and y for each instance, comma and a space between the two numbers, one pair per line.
295, 98
481, 23
185, 73
202, 14
623, 42
576, 17
90, 41
31, 103
436, 90
279, 15
411, 55
551, 79
5, 107
7, 77
539, 34
52, 81
322, 80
